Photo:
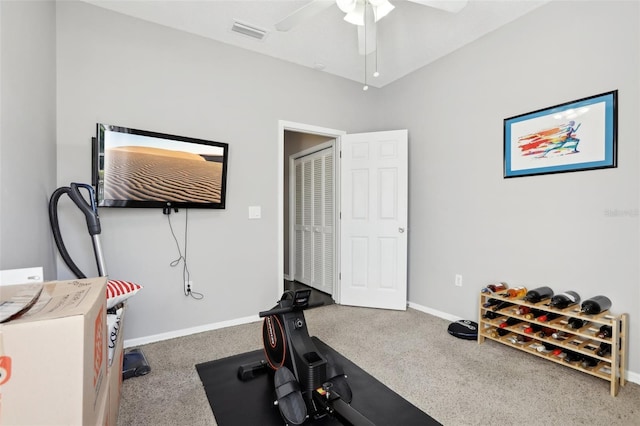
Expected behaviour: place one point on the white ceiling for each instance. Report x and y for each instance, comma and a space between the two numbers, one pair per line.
410, 37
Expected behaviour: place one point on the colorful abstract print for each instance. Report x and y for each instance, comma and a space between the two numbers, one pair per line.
552, 142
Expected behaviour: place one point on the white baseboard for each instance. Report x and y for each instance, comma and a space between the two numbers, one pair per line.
631, 376
128, 343
434, 312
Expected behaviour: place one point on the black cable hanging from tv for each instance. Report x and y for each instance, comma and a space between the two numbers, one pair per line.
186, 275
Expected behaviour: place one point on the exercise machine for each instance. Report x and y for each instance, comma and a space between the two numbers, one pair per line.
308, 384
134, 361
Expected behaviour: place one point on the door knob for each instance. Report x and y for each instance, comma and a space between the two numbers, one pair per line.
401, 230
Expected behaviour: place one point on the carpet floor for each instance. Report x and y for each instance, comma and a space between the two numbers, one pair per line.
457, 382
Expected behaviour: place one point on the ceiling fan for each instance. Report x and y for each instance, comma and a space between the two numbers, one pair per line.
362, 13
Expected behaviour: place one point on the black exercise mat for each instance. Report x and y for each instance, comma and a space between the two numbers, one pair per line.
235, 402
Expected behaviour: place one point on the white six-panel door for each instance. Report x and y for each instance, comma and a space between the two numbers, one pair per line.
373, 234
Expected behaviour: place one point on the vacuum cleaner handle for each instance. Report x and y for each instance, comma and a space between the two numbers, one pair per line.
90, 212
89, 209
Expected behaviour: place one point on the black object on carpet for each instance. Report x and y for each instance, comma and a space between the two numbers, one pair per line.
235, 402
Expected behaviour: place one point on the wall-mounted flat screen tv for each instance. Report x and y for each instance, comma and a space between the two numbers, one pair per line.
139, 168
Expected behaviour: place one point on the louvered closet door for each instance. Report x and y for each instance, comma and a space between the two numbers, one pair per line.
314, 220
303, 221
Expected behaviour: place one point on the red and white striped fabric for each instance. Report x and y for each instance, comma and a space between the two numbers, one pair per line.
118, 291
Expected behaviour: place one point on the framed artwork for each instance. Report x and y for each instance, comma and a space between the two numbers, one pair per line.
573, 136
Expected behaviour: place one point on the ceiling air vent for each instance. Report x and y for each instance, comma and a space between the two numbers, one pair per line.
248, 30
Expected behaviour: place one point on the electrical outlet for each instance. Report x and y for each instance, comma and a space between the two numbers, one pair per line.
458, 280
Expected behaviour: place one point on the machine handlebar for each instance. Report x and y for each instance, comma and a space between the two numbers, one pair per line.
286, 309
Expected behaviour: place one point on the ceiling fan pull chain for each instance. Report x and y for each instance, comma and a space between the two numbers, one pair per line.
366, 87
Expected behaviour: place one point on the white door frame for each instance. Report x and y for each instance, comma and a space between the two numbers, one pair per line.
316, 130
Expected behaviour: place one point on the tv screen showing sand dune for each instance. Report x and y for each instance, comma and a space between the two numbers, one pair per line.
139, 173
140, 168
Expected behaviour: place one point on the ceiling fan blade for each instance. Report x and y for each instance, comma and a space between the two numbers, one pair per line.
453, 6
305, 12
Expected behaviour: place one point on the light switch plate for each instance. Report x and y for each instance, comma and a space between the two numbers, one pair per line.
255, 212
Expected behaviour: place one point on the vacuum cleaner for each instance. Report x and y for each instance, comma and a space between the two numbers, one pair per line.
135, 363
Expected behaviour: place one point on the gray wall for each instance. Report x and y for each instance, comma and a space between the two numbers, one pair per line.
120, 70
27, 134
555, 230
464, 218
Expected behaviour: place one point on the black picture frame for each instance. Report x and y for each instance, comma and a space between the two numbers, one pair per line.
573, 136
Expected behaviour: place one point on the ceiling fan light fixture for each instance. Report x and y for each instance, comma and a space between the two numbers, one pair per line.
355, 9
346, 6
356, 16
381, 8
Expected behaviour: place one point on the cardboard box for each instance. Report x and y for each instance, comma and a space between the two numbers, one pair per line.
55, 355
102, 415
